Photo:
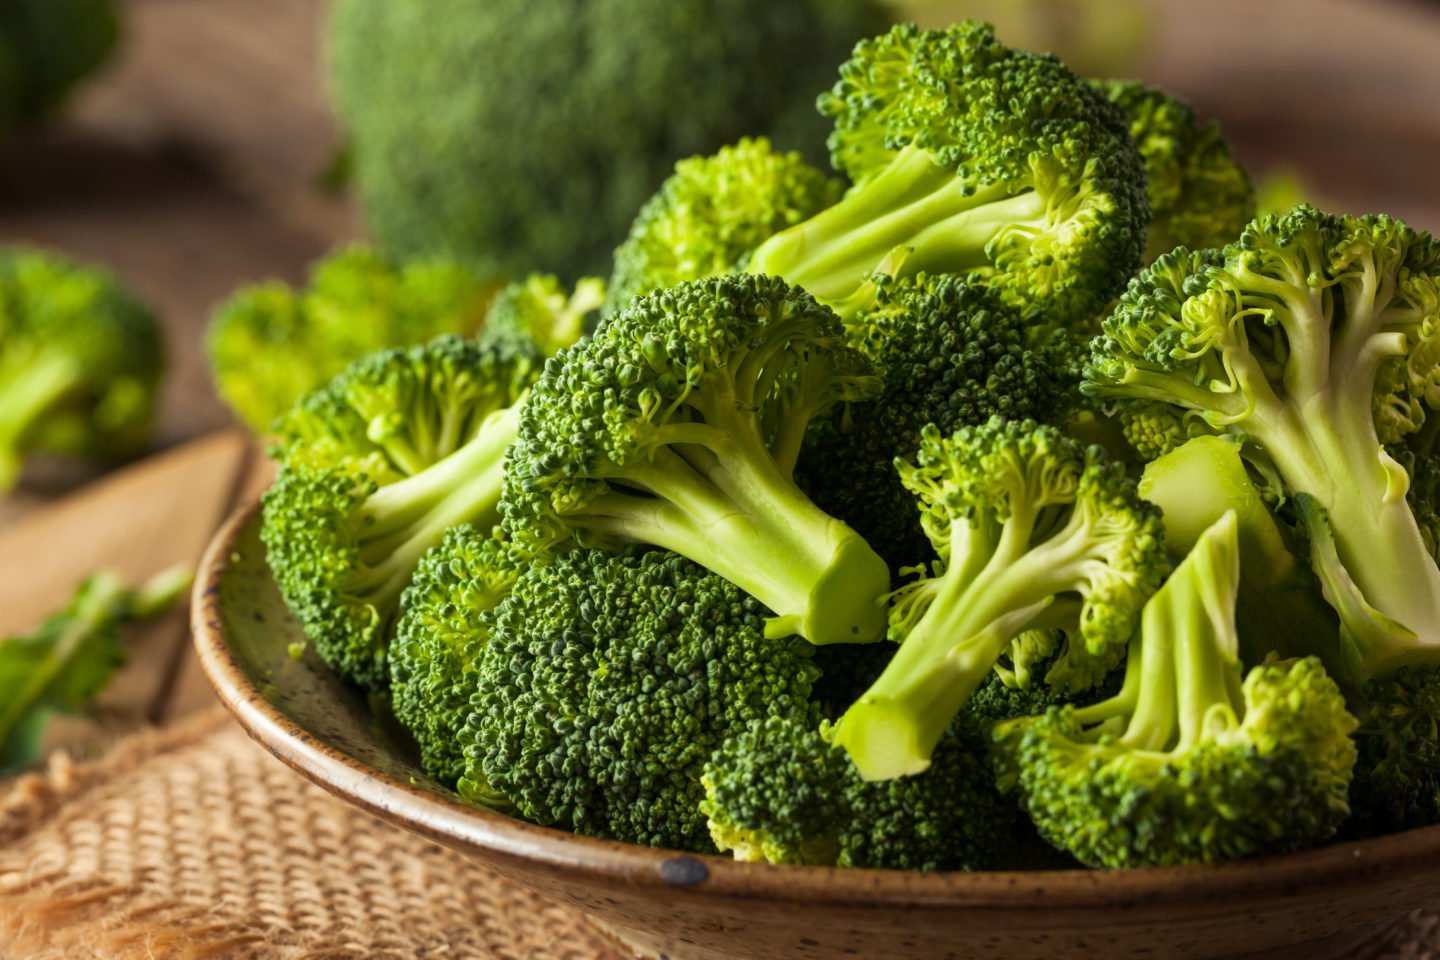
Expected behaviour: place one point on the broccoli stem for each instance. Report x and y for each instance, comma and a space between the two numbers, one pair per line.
29, 387
725, 504
913, 202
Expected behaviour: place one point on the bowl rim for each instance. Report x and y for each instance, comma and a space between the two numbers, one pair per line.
492, 836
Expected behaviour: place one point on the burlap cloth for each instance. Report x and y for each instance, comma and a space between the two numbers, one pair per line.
193, 842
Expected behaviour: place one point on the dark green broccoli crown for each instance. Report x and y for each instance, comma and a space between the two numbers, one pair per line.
609, 681
270, 345
80, 362
1004, 124
373, 468
438, 640
950, 353
711, 212
1397, 772
1199, 195
51, 45
535, 131
539, 312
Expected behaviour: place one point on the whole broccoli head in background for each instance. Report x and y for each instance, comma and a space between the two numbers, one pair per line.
523, 134
80, 363
48, 46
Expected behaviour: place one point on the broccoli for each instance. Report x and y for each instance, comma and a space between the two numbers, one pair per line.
46, 48
950, 353
1189, 763
270, 345
437, 645
80, 363
374, 468
1314, 337
1033, 532
1199, 195
67, 660
678, 424
972, 158
711, 212
538, 312
607, 682
518, 134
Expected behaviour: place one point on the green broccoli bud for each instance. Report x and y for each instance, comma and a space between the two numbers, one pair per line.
678, 424
539, 312
1033, 532
1189, 763
80, 363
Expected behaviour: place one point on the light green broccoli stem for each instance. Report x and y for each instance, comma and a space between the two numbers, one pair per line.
403, 520
30, 386
721, 500
947, 223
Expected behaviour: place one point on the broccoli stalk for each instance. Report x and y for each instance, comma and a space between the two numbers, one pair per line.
975, 159
1033, 533
678, 424
1188, 762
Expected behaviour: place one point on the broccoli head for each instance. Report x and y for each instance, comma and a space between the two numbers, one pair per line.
608, 681
678, 424
539, 312
374, 468
711, 212
80, 363
526, 133
977, 159
1189, 763
1033, 533
951, 353
437, 645
1199, 195
270, 345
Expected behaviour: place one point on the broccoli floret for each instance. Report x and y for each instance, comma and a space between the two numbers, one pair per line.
437, 645
950, 353
780, 792
80, 363
374, 468
539, 312
66, 661
1199, 195
608, 681
270, 344
1290, 338
678, 424
526, 133
1189, 763
46, 48
977, 159
711, 212
1033, 532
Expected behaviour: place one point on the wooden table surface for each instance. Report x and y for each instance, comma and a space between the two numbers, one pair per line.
191, 166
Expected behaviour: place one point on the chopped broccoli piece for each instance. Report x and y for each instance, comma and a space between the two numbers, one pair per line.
711, 212
1189, 763
270, 344
526, 133
972, 158
1199, 195
608, 681
80, 363
1033, 532
374, 468
539, 312
678, 424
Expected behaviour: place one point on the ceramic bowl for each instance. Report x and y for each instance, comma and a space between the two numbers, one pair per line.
663, 904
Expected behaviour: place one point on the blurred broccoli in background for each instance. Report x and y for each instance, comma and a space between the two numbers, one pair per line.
46, 48
271, 344
523, 134
80, 363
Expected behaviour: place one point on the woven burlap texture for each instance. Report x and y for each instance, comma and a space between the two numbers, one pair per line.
193, 842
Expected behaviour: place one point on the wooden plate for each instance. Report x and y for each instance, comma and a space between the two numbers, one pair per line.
1319, 904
